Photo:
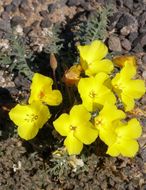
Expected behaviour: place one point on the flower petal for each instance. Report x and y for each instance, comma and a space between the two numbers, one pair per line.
28, 132
107, 135
111, 113
105, 95
132, 130
95, 67
100, 78
19, 113
95, 51
113, 150
53, 98
128, 148
128, 102
40, 84
43, 113
78, 115
135, 88
124, 147
85, 87
62, 124
86, 133
128, 71
73, 145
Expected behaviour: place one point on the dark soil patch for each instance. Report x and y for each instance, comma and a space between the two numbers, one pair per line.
31, 165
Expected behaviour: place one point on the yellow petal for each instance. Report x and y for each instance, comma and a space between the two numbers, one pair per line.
111, 113
28, 132
62, 124
73, 145
100, 78
128, 71
40, 84
107, 135
132, 130
53, 98
113, 150
128, 102
43, 113
116, 81
128, 148
19, 114
105, 95
79, 115
86, 133
135, 88
85, 87
95, 67
95, 51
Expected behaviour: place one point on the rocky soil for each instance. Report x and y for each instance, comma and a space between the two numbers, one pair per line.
30, 165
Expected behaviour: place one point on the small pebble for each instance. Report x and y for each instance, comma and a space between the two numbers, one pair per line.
143, 100
126, 44
10, 8
144, 59
128, 4
114, 43
17, 20
17, 2
19, 30
5, 26
51, 8
45, 23
125, 20
143, 40
125, 31
44, 13
144, 75
132, 36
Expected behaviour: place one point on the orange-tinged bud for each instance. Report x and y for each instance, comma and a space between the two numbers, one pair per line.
121, 60
72, 75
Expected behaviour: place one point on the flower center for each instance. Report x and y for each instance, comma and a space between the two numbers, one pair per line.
31, 117
92, 94
72, 128
98, 122
119, 86
41, 95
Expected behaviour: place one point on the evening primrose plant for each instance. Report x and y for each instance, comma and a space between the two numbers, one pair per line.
103, 99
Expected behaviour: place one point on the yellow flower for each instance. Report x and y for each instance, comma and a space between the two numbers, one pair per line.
104, 122
94, 93
127, 88
77, 127
29, 118
126, 143
91, 58
41, 90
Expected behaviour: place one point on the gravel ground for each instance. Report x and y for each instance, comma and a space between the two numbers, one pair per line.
27, 165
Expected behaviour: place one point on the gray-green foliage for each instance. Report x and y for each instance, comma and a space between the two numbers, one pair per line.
60, 165
95, 27
55, 42
16, 57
